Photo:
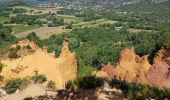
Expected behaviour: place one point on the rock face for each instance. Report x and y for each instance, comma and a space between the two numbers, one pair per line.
68, 63
159, 75
133, 68
130, 67
60, 70
162, 56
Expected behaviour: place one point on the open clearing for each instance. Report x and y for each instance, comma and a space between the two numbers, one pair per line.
22, 28
43, 32
71, 19
37, 9
95, 23
3, 19
132, 30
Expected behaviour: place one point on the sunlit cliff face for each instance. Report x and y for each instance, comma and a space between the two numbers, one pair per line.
133, 68
60, 70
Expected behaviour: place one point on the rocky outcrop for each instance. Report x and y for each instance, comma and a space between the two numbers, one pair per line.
159, 75
60, 70
130, 67
69, 63
133, 68
162, 55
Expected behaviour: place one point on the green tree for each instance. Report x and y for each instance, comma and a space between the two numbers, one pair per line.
51, 85
38, 78
12, 85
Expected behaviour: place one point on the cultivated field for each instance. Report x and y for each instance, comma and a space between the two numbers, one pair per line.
132, 30
71, 19
22, 28
36, 10
43, 32
3, 19
94, 23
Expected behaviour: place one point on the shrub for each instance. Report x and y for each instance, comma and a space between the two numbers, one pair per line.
86, 82
12, 85
51, 85
90, 82
12, 49
18, 47
123, 85
85, 79
49, 50
28, 47
39, 78
13, 54
135, 91
85, 71
1, 66
72, 85
50, 25
69, 26
23, 47
37, 40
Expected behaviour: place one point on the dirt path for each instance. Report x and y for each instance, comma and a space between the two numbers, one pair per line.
31, 90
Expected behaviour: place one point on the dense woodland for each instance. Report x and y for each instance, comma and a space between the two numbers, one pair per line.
103, 45
6, 39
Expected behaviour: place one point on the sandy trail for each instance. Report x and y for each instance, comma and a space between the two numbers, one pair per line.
31, 91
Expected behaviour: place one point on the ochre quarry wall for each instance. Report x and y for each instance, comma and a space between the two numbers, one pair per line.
133, 68
60, 70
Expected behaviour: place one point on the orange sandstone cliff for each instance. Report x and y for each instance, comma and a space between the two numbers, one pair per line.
162, 55
159, 73
60, 70
133, 68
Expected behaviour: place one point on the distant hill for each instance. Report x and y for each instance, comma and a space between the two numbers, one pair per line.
11, 3
29, 1
95, 2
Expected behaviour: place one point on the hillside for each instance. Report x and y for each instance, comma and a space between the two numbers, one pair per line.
85, 49
135, 69
60, 70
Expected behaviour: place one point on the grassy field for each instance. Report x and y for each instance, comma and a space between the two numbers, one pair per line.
43, 32
94, 23
21, 28
71, 19
138, 30
37, 9
3, 19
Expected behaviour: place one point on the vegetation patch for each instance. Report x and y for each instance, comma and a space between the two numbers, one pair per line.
6, 39
38, 78
134, 91
22, 28
13, 85
51, 85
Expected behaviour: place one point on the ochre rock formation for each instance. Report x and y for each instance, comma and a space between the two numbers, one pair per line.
68, 63
60, 70
159, 75
130, 67
162, 55
133, 68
